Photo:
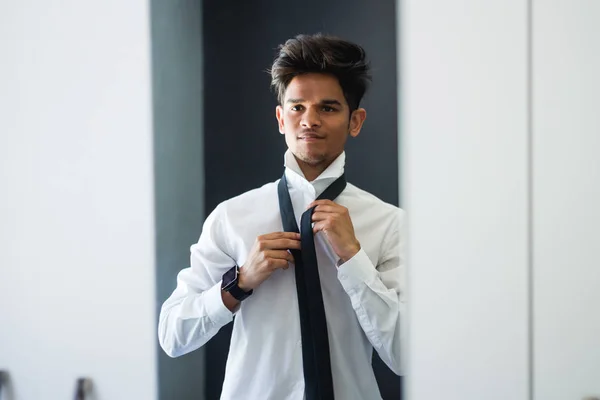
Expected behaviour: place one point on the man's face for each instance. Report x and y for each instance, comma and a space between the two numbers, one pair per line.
315, 118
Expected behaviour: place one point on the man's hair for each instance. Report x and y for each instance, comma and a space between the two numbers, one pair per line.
322, 54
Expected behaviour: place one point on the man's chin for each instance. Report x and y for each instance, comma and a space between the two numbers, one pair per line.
312, 160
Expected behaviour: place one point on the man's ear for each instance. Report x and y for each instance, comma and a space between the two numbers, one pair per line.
279, 115
356, 121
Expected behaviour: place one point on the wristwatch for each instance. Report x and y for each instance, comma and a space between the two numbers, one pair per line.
230, 284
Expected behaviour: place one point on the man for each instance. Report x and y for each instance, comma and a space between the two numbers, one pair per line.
309, 308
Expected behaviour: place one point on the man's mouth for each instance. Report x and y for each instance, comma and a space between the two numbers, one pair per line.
310, 136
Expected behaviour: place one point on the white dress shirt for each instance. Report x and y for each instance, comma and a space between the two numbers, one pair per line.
363, 297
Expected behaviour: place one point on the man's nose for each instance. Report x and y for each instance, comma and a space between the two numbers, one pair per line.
311, 118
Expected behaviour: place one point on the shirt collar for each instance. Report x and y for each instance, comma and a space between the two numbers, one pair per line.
296, 178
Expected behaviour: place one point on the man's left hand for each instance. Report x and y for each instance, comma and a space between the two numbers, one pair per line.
334, 220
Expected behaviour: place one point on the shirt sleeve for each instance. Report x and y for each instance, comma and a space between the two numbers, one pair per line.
195, 312
377, 294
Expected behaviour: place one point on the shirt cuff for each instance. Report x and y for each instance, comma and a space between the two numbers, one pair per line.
215, 309
356, 271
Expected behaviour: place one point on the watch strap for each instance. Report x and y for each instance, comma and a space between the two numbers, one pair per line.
238, 293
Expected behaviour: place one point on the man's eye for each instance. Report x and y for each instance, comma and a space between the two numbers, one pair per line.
328, 109
297, 108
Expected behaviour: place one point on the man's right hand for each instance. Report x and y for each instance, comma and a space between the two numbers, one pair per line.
269, 253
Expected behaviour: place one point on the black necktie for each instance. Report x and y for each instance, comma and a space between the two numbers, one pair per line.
313, 324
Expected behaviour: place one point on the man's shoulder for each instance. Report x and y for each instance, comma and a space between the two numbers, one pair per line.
370, 200
373, 209
251, 199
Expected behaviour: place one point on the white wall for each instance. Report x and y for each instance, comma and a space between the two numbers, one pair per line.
566, 196
464, 133
494, 193
76, 212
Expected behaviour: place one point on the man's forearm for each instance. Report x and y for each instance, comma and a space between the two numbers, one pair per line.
188, 320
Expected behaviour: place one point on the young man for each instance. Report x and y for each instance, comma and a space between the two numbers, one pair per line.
310, 307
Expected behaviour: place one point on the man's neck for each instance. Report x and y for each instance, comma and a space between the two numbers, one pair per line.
312, 171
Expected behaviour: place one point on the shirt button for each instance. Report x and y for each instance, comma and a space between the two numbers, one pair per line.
343, 276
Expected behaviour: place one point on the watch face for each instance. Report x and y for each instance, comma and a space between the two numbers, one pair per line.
230, 278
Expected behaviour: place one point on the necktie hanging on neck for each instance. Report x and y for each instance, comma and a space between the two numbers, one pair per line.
313, 324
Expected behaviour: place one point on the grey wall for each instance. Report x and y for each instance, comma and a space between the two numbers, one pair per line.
243, 148
178, 155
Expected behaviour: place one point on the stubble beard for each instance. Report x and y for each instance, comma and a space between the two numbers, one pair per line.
314, 160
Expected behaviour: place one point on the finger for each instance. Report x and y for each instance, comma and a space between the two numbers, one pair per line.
280, 244
277, 263
320, 216
321, 202
328, 208
280, 235
321, 226
280, 255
